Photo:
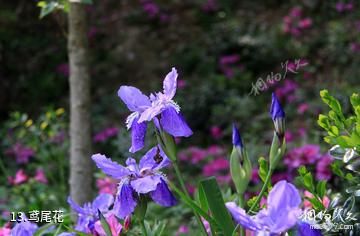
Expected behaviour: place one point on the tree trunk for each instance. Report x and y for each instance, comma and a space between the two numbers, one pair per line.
80, 124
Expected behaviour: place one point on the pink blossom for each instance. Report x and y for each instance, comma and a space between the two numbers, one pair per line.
229, 59
20, 177
219, 168
191, 189
210, 6
294, 23
183, 229
302, 108
255, 175
296, 12
40, 176
287, 91
216, 132
307, 154
289, 137
307, 204
305, 23
228, 63
5, 230
263, 202
181, 83
105, 134
301, 132
355, 47
106, 185
193, 154
323, 167
113, 223
21, 153
343, 7
215, 150
150, 7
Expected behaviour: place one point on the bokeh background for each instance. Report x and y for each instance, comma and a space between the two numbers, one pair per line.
230, 56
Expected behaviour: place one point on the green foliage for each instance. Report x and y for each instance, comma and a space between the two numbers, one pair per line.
46, 136
306, 180
263, 170
343, 131
216, 205
49, 6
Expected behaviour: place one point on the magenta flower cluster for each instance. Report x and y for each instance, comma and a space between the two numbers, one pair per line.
295, 23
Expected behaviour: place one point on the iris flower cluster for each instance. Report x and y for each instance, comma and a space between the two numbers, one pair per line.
137, 182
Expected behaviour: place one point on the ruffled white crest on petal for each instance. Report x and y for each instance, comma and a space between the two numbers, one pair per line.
130, 119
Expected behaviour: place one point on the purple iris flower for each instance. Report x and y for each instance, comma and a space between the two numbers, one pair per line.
282, 211
24, 228
88, 214
136, 179
146, 108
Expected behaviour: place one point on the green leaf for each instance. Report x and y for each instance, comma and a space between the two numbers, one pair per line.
105, 224
235, 230
251, 202
332, 103
47, 8
316, 203
188, 201
355, 100
321, 188
201, 198
263, 170
336, 169
302, 170
323, 121
217, 206
308, 182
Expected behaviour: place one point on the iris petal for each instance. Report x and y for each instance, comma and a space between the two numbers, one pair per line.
162, 195
125, 201
174, 123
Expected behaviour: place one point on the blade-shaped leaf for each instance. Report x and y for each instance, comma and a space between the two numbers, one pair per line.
105, 224
217, 206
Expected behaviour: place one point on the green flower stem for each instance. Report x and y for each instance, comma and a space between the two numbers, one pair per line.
241, 204
143, 228
184, 189
263, 189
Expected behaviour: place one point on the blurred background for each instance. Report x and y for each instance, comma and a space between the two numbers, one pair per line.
230, 56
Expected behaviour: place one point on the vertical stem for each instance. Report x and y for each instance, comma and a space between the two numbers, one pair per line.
241, 204
183, 186
258, 198
143, 228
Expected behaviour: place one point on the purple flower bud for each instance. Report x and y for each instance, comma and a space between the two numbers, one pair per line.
278, 116
236, 138
276, 110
